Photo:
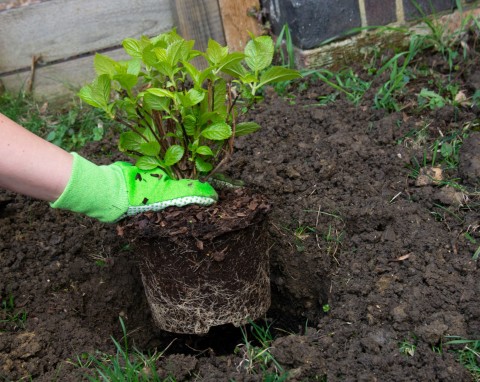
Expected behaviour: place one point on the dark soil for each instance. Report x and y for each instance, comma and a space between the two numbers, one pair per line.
204, 267
353, 227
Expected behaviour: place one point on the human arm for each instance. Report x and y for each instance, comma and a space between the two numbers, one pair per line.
37, 168
30, 165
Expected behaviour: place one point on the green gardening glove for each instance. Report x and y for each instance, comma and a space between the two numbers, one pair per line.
110, 193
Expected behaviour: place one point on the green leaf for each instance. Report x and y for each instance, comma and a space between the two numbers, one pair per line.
193, 72
150, 148
446, 150
220, 97
206, 73
86, 94
154, 102
210, 118
97, 94
190, 124
259, 53
236, 70
148, 163
178, 51
159, 92
104, 65
248, 77
128, 106
126, 81
130, 141
132, 47
202, 165
205, 150
161, 54
277, 74
173, 155
215, 53
192, 98
134, 66
231, 61
217, 131
149, 57
244, 128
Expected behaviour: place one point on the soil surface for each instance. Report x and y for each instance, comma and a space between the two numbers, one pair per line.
369, 251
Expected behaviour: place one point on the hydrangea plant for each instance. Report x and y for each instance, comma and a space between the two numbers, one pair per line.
181, 116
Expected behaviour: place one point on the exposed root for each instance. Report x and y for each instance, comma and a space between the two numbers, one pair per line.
195, 309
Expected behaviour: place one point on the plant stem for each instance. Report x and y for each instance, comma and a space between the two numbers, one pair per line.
131, 127
231, 109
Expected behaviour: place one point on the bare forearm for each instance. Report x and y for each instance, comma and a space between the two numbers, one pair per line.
30, 165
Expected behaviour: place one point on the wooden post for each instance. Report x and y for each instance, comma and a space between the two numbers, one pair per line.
199, 21
237, 22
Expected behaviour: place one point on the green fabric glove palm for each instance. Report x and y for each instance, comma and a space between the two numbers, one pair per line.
110, 193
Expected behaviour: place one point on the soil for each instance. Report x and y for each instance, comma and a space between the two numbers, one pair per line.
204, 267
367, 253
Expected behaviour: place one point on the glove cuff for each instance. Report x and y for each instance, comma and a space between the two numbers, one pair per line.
96, 191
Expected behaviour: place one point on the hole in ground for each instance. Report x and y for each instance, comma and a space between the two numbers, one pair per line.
224, 339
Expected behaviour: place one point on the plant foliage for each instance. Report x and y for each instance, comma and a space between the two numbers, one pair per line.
181, 118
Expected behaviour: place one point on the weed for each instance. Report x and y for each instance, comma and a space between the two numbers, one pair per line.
10, 317
258, 357
346, 82
70, 129
415, 138
301, 233
430, 99
468, 355
126, 365
439, 38
284, 48
476, 254
75, 128
333, 238
407, 348
326, 308
400, 74
450, 147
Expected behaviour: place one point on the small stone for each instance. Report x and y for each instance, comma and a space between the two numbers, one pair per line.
428, 176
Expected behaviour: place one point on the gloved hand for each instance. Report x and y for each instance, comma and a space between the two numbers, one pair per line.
110, 193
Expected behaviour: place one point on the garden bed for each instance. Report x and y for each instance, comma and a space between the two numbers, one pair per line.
373, 261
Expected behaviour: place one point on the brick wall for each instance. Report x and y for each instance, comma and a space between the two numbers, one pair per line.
311, 22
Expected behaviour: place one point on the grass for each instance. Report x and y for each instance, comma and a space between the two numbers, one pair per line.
396, 72
346, 82
11, 318
70, 129
301, 233
442, 40
408, 346
128, 364
468, 354
256, 353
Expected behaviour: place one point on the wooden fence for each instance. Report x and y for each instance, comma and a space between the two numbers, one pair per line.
47, 46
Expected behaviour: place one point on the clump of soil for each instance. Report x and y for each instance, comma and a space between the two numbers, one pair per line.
363, 258
204, 266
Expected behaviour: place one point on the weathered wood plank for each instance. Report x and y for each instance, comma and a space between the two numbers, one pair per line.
61, 80
199, 21
237, 22
59, 29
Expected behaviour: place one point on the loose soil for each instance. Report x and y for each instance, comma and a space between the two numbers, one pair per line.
388, 252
